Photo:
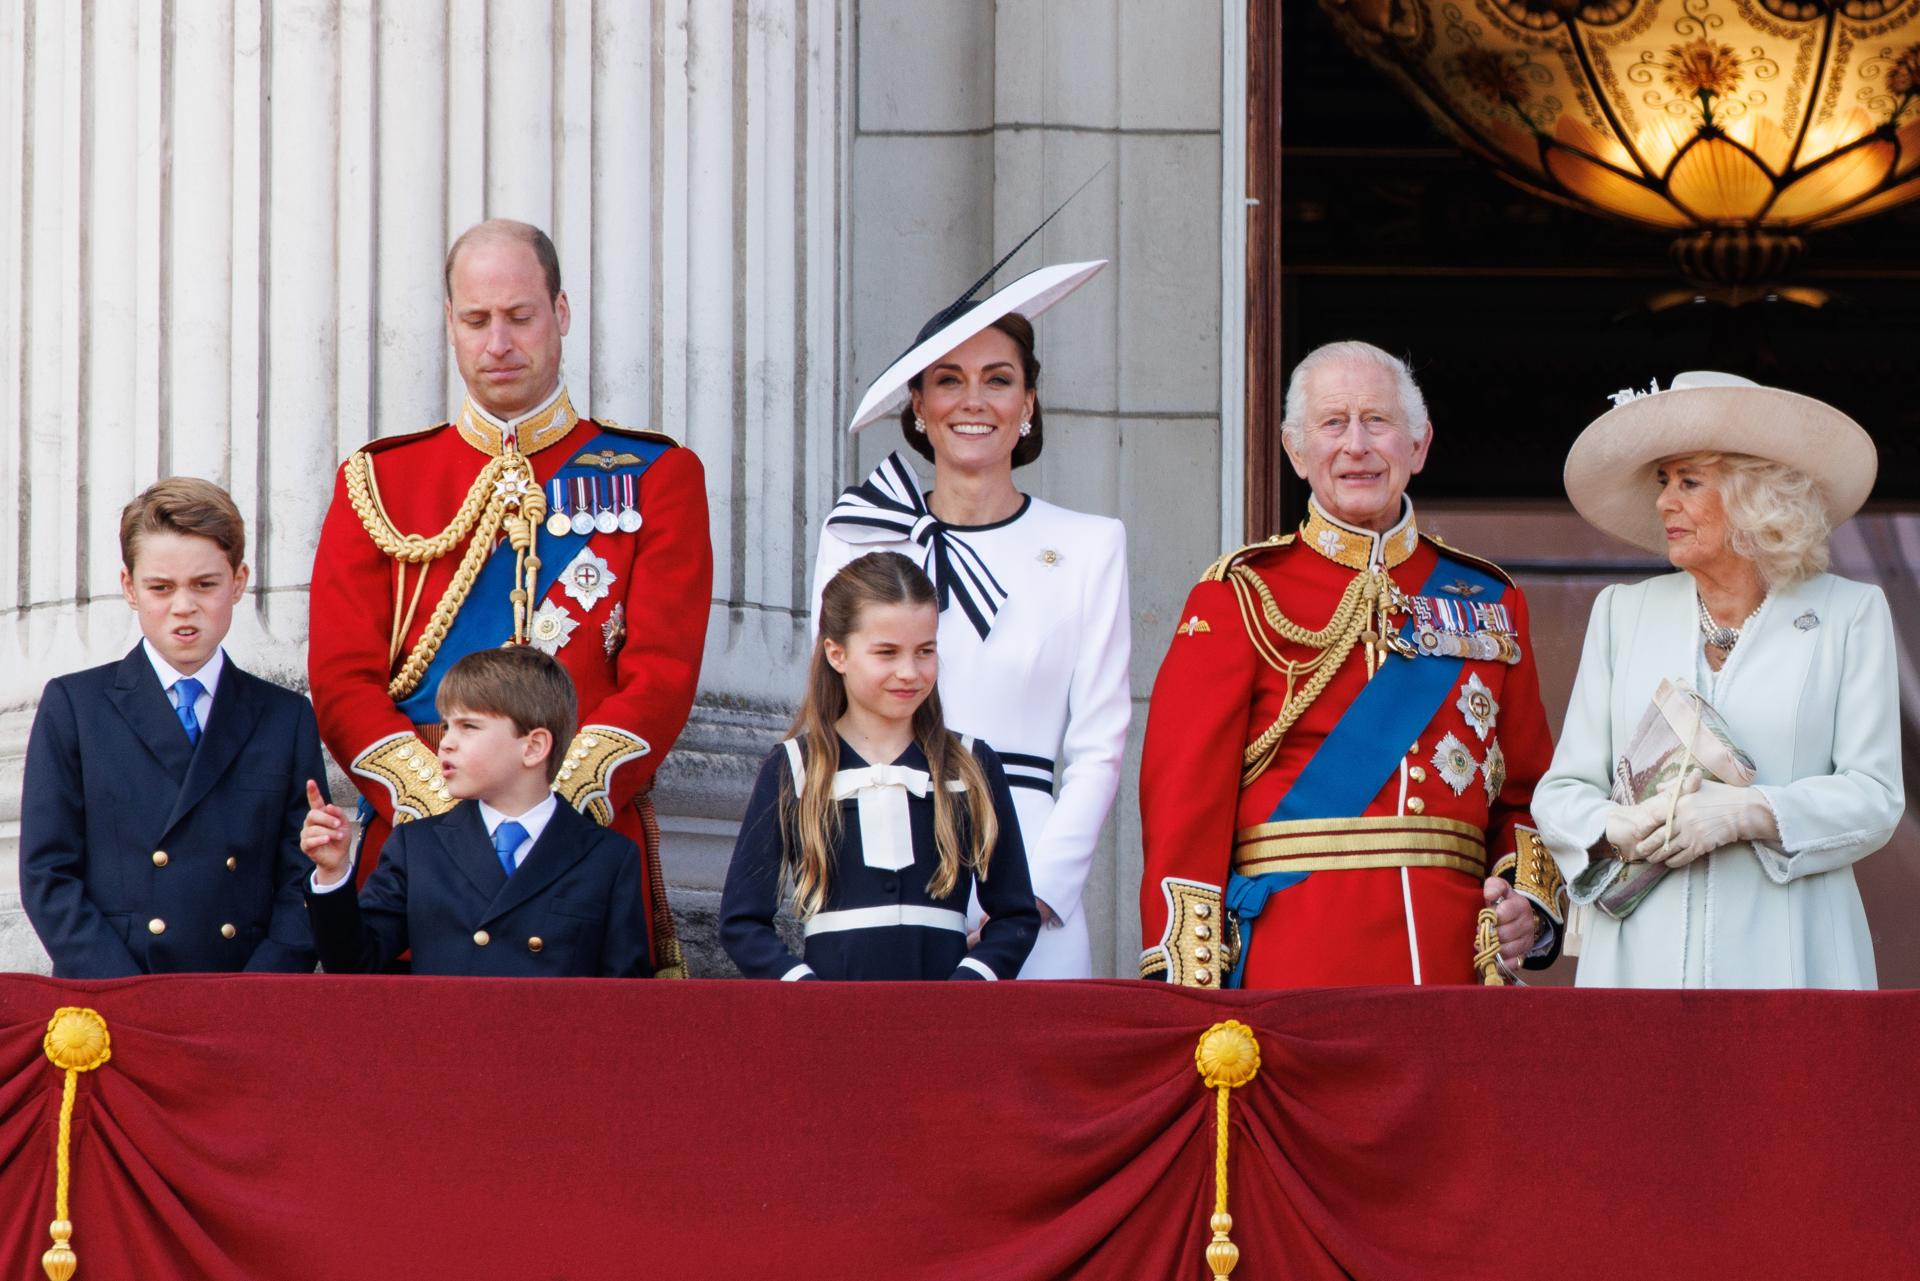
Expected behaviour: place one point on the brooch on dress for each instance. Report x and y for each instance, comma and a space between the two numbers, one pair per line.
1807, 621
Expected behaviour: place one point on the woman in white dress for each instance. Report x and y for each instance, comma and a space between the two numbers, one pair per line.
1738, 485
1034, 623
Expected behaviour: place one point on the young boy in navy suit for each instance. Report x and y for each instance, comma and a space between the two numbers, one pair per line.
509, 882
160, 820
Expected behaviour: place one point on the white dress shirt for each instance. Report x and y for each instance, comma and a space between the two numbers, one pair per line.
534, 820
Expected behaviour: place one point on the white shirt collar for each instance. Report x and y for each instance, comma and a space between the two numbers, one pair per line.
208, 675
534, 820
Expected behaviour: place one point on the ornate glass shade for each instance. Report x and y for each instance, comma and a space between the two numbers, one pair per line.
1742, 122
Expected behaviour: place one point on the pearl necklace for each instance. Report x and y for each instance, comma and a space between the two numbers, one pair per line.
1724, 637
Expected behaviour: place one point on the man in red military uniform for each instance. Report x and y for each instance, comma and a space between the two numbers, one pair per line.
1346, 731
518, 522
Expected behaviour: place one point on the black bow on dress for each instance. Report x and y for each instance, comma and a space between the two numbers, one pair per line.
888, 505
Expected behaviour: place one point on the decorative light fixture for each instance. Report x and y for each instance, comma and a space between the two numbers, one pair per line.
1737, 123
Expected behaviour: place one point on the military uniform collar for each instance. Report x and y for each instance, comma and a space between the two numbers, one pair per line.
530, 433
1360, 549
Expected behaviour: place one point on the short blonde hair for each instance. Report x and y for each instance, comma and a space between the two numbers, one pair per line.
1776, 516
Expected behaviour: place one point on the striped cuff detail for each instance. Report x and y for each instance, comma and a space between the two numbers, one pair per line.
1032, 772
800, 971
979, 967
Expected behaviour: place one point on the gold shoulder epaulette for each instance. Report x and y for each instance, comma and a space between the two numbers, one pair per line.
642, 433
1478, 561
1217, 572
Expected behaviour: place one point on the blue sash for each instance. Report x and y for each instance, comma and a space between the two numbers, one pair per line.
485, 621
1365, 747
1363, 750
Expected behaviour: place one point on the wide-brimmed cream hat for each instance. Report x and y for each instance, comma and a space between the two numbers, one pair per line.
1610, 469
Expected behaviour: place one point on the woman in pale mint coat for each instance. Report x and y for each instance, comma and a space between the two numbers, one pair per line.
1738, 486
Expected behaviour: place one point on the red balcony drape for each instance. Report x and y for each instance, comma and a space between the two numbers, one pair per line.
290, 1128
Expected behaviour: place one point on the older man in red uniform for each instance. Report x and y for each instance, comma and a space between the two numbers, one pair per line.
1346, 731
518, 522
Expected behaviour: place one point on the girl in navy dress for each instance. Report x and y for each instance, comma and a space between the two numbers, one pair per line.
876, 820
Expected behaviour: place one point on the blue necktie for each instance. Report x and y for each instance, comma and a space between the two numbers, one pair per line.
186, 692
506, 839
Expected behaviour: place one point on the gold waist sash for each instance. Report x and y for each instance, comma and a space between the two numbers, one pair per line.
1343, 844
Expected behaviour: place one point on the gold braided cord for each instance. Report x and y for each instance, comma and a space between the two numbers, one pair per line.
363, 492
1335, 642
504, 494
1486, 948
414, 670
1361, 592
1221, 1099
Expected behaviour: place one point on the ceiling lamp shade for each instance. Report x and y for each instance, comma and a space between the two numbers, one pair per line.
1738, 123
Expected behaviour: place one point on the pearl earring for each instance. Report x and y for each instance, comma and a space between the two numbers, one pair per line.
920, 424
1026, 428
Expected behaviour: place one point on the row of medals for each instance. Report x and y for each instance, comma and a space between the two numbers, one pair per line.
588, 503
1429, 639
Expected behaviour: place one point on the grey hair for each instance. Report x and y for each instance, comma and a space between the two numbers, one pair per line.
1413, 405
1776, 516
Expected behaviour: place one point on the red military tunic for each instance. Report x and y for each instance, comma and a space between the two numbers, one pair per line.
632, 645
1390, 895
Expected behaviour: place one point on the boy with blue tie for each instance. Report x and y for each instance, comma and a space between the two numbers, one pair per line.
507, 883
160, 818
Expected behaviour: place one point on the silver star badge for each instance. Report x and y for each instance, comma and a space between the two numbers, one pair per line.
588, 579
1477, 705
1455, 764
552, 627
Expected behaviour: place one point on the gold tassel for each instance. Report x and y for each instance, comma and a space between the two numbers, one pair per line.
1486, 949
77, 1042
1227, 1057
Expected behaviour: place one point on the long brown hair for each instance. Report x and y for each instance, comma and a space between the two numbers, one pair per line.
811, 820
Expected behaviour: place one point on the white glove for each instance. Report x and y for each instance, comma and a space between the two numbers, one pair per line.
1710, 816
1629, 825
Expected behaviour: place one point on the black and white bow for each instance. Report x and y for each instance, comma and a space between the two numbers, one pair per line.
887, 505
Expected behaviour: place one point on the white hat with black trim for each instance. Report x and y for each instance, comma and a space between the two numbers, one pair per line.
1030, 295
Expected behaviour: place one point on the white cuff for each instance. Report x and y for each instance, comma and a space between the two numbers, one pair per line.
313, 879
800, 971
979, 967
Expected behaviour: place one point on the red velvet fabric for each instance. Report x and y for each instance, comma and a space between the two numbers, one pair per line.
291, 1128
